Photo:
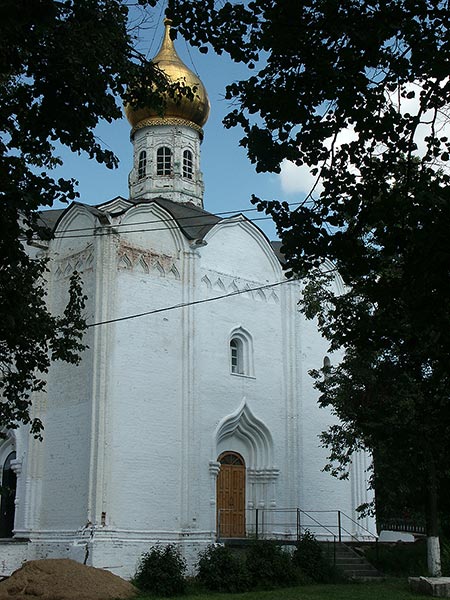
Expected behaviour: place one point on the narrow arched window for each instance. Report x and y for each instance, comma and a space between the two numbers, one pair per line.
164, 161
326, 367
142, 165
236, 356
241, 352
8, 496
188, 164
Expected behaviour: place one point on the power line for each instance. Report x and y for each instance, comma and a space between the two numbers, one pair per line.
205, 215
192, 218
193, 303
145, 230
190, 57
155, 31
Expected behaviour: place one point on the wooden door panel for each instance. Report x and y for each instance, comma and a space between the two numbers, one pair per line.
231, 499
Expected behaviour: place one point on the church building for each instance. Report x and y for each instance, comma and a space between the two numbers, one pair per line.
191, 417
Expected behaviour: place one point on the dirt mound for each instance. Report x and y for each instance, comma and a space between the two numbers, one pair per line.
63, 579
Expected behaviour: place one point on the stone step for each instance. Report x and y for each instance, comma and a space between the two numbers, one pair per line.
363, 574
351, 560
354, 565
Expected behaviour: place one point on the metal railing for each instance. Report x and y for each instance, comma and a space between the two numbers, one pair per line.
405, 525
289, 524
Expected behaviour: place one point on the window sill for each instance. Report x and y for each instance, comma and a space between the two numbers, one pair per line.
243, 375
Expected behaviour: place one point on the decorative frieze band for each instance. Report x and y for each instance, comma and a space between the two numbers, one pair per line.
223, 284
80, 262
144, 261
155, 121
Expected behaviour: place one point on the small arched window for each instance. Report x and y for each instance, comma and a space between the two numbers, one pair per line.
142, 165
326, 367
164, 161
188, 164
241, 353
236, 355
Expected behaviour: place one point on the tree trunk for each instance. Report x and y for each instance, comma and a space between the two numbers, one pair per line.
434, 556
433, 546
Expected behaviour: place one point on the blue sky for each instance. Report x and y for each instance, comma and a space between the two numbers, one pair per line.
229, 177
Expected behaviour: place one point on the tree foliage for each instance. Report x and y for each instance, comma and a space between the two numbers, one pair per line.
358, 92
64, 66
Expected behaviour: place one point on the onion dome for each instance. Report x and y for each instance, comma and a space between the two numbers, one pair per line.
178, 110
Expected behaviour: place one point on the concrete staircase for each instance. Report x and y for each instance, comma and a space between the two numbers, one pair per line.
354, 565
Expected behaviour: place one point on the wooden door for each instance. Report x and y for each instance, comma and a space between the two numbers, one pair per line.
231, 496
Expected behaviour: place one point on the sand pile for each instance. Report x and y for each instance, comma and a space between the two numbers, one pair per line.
63, 579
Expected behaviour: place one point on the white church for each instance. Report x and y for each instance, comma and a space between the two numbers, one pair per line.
193, 423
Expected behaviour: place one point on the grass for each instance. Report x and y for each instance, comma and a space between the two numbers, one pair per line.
391, 589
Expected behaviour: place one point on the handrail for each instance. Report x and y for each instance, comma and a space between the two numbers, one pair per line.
320, 524
358, 524
315, 523
339, 524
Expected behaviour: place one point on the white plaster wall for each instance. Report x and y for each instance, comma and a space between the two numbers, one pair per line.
60, 469
238, 248
237, 257
145, 407
319, 491
145, 383
12, 556
64, 465
130, 433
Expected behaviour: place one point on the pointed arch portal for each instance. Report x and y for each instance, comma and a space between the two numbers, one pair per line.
246, 473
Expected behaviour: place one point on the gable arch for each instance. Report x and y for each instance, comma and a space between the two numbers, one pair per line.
74, 230
248, 252
249, 432
116, 205
161, 233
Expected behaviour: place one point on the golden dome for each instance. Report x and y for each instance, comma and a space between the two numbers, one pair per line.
194, 111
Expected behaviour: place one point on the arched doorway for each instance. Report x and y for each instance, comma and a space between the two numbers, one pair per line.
8, 496
231, 495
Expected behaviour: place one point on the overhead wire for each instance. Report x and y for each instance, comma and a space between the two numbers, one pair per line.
191, 221
202, 301
145, 230
204, 215
155, 30
192, 303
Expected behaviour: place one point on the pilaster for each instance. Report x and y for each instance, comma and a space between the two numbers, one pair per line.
190, 475
104, 269
291, 390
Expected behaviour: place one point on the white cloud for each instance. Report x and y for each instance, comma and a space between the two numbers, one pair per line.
299, 180
412, 107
